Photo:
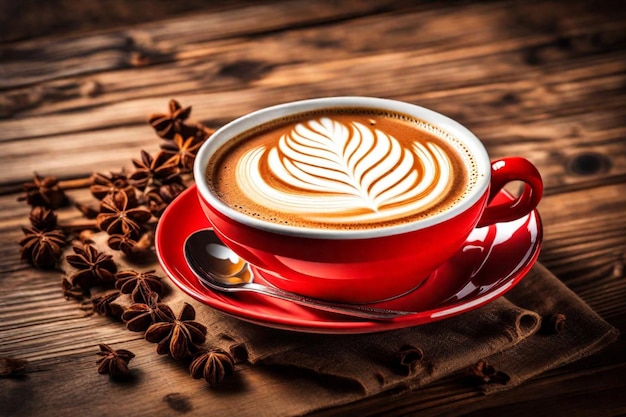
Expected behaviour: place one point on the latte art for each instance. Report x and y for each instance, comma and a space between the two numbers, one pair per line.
342, 168
337, 172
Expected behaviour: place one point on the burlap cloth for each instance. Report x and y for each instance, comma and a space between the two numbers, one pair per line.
302, 372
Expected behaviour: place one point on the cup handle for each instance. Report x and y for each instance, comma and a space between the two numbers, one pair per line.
504, 171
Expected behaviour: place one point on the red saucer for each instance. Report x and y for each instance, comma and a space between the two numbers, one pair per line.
492, 261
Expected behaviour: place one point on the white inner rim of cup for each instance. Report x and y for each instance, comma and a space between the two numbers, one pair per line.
259, 117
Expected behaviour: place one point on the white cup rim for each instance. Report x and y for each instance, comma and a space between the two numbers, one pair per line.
251, 120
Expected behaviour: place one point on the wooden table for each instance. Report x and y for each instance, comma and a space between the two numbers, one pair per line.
544, 80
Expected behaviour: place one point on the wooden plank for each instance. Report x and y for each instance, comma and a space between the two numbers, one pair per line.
215, 64
56, 17
125, 48
77, 155
430, 80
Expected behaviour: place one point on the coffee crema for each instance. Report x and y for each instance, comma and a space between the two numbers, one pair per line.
346, 168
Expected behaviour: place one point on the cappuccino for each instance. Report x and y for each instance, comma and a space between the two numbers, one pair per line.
343, 168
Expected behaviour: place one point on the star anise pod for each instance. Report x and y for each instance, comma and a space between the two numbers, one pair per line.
42, 218
44, 192
42, 248
124, 243
102, 304
130, 245
178, 336
153, 172
139, 284
113, 362
103, 184
182, 151
140, 316
212, 365
485, 373
160, 198
94, 267
167, 125
120, 214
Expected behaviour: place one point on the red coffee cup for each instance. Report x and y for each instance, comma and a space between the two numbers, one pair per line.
366, 265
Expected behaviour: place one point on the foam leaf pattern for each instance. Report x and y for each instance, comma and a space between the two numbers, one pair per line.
348, 171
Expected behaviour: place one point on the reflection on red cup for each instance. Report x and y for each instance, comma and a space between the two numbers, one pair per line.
368, 265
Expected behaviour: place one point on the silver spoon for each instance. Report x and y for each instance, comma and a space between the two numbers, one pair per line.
220, 269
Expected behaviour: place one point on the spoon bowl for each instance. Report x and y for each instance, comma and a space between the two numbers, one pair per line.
220, 269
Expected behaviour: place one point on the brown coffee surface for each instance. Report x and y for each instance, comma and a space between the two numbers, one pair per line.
346, 168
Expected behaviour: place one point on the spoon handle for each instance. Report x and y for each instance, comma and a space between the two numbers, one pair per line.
361, 311
352, 310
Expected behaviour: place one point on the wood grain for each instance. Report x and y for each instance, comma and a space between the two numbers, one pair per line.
544, 80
